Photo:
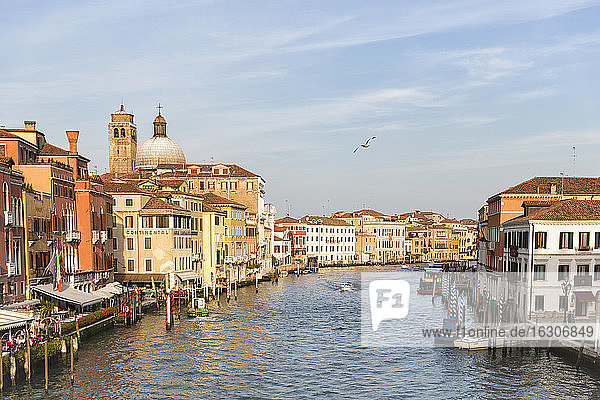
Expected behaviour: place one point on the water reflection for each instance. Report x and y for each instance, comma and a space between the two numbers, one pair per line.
296, 339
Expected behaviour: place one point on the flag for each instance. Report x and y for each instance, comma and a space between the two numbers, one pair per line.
61, 270
52, 268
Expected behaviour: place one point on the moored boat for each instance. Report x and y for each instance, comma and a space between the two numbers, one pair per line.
197, 308
347, 287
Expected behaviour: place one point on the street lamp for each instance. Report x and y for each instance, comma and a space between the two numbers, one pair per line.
566, 287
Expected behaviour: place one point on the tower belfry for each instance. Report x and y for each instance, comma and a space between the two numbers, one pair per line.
122, 141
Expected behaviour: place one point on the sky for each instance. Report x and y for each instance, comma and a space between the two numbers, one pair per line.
465, 97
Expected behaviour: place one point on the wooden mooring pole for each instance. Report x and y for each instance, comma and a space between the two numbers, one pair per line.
46, 359
1, 371
72, 361
27, 356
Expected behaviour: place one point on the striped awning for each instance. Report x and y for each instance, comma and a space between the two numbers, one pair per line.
585, 296
13, 320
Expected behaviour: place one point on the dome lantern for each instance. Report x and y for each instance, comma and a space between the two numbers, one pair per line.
159, 149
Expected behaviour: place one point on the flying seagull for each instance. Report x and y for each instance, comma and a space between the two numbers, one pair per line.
365, 145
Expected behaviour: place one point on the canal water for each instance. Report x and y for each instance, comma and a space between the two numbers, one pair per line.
299, 338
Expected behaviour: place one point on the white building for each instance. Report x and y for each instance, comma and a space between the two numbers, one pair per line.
322, 239
328, 240
554, 251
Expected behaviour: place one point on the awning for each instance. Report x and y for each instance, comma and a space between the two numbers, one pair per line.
139, 278
110, 290
68, 295
23, 304
12, 320
187, 275
585, 296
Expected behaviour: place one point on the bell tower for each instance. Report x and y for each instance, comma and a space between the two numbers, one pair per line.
122, 142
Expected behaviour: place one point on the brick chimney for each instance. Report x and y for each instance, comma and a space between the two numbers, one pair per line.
29, 125
73, 136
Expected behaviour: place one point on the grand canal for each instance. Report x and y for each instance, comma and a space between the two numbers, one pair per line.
299, 338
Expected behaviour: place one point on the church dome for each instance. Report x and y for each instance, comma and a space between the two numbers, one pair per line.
159, 149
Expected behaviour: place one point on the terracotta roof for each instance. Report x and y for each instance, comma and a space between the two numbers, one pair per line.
568, 185
316, 220
450, 221
157, 204
468, 221
50, 150
565, 210
280, 229
212, 198
8, 135
174, 183
287, 220
538, 203
234, 170
208, 208
122, 187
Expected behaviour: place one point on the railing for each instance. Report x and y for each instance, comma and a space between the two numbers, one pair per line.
73, 236
95, 236
11, 268
8, 218
103, 236
582, 280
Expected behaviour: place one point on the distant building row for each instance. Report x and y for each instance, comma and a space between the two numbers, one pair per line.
368, 236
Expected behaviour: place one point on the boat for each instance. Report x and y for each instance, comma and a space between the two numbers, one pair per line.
347, 287
478, 343
283, 273
431, 279
197, 308
306, 271
405, 267
448, 336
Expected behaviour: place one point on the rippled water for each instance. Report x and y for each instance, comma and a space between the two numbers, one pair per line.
299, 338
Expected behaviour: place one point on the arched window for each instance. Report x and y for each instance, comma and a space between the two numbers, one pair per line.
6, 197
122, 132
116, 132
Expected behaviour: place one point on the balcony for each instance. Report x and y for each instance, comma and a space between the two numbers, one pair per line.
95, 236
8, 218
103, 236
584, 248
11, 268
582, 280
196, 257
73, 236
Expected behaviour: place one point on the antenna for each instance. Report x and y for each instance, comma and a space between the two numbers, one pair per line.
574, 160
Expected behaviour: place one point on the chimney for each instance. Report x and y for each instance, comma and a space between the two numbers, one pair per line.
73, 136
29, 125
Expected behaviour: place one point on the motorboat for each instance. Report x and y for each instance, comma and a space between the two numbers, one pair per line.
431, 281
347, 287
283, 273
197, 308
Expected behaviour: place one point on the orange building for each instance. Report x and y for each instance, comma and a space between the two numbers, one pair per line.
508, 204
12, 234
94, 219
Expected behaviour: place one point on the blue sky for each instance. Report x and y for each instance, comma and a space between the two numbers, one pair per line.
466, 98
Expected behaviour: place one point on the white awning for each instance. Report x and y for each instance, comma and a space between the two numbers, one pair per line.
12, 320
187, 275
68, 295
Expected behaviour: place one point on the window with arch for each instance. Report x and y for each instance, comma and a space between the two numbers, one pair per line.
6, 196
116, 132
122, 132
